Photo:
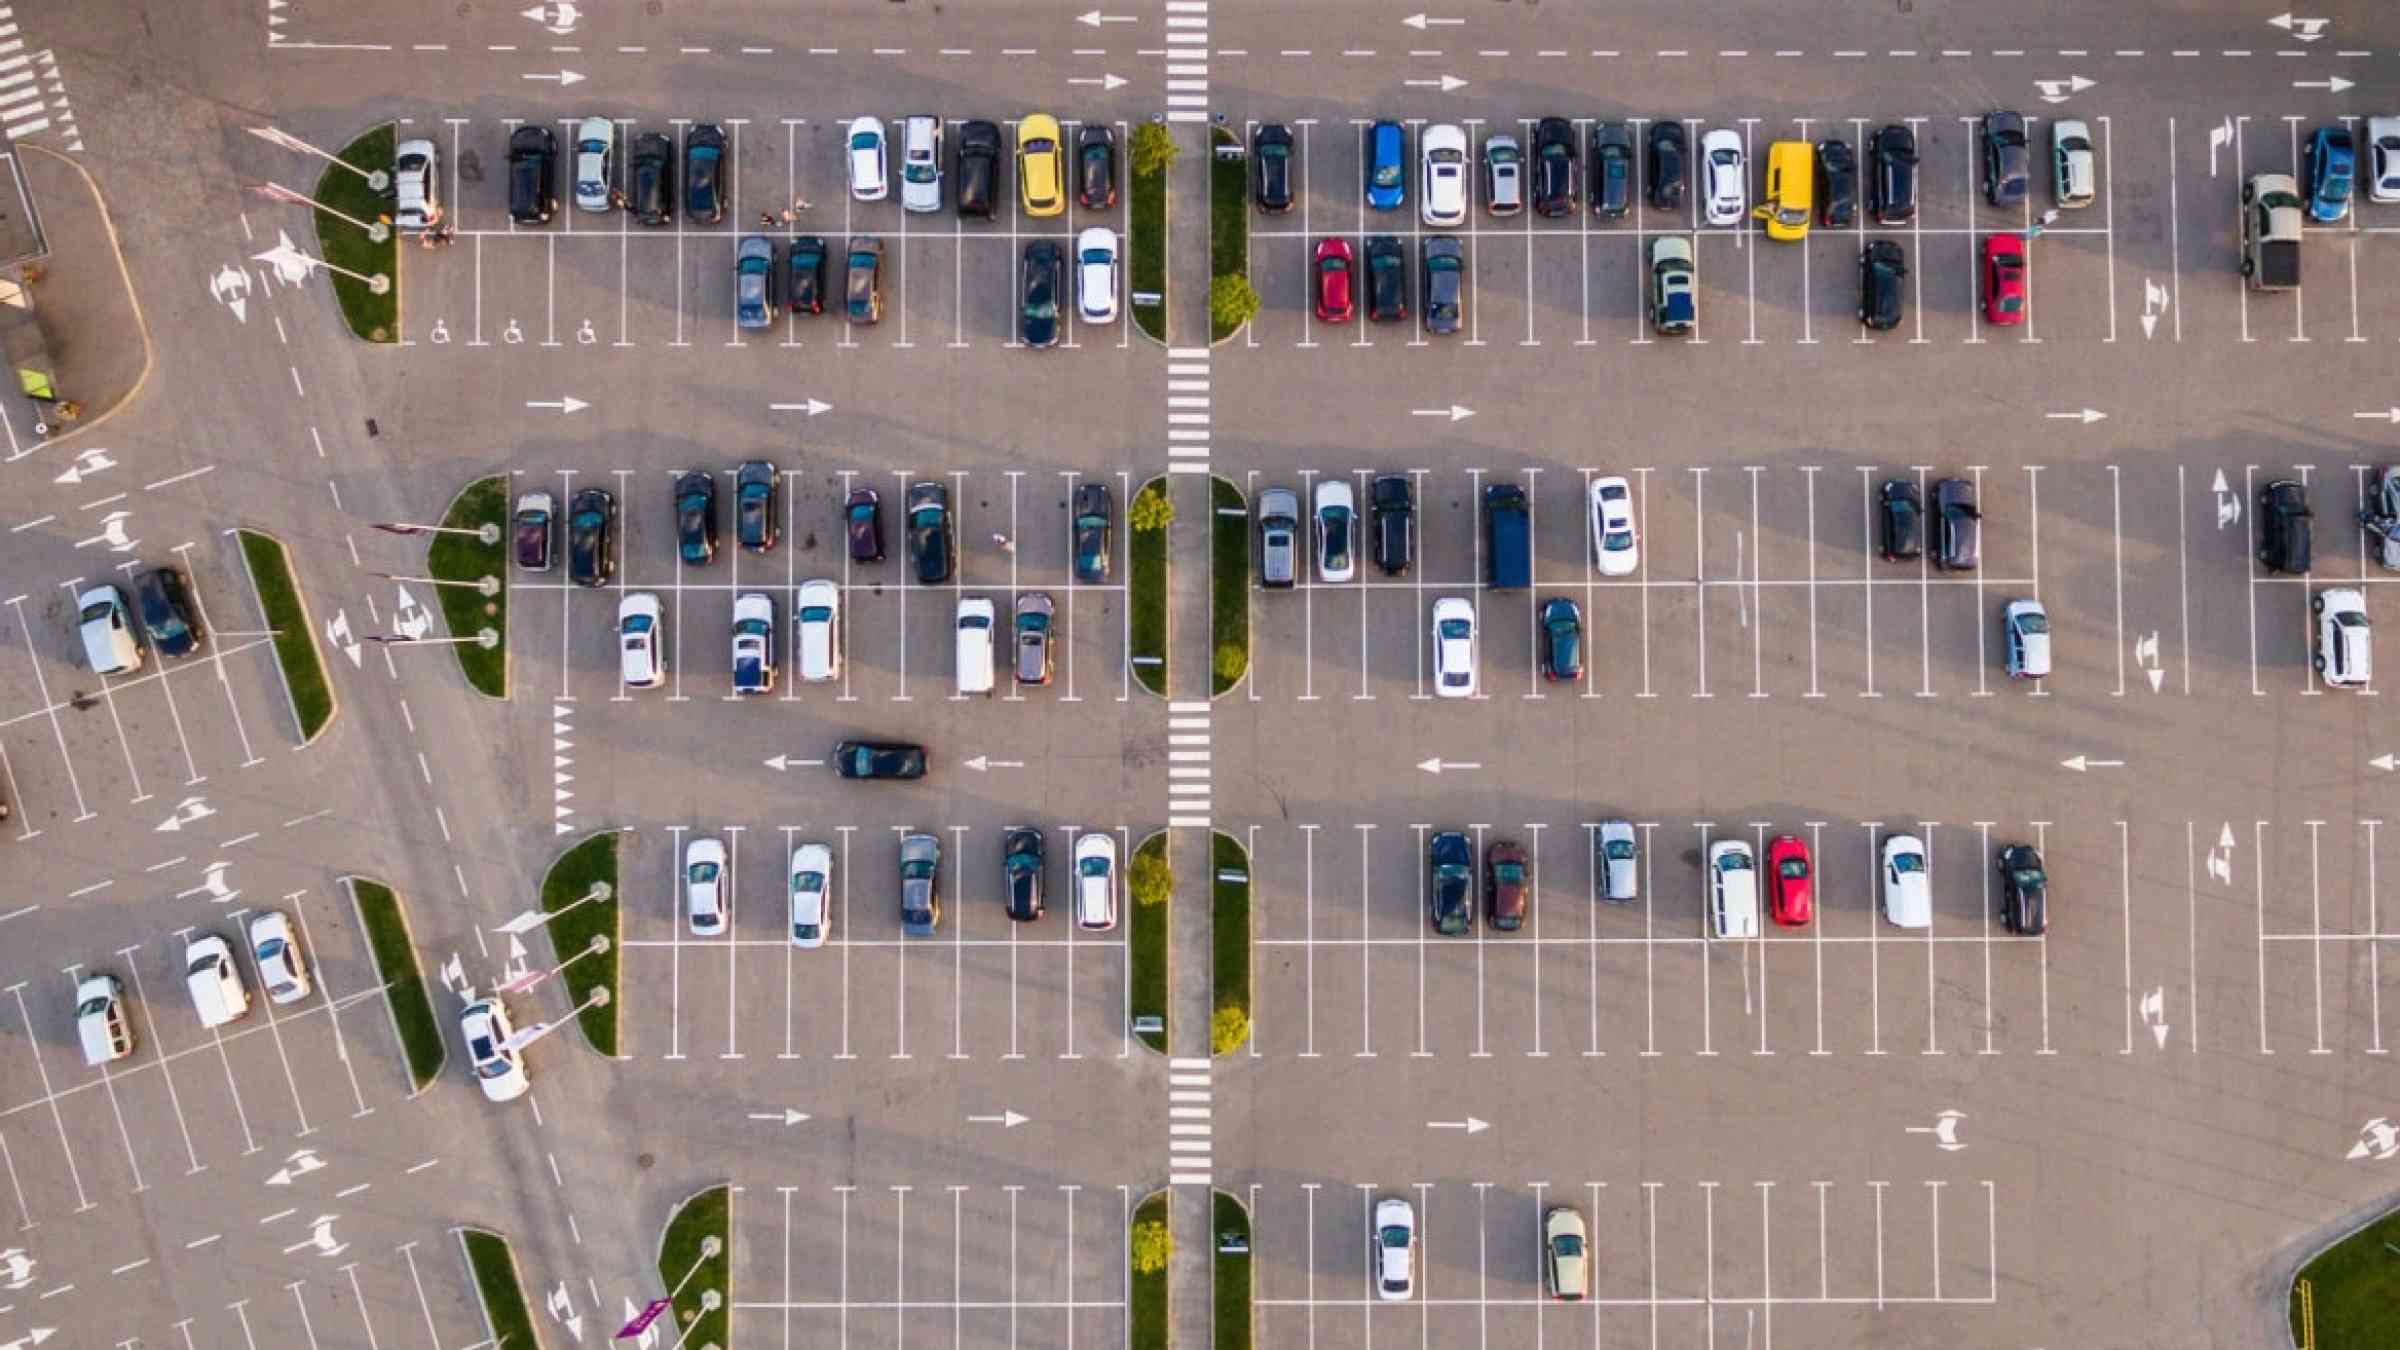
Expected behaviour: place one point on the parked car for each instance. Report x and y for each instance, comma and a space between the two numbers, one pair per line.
1037, 311
921, 163
1667, 154
1445, 284
1732, 890
1271, 162
534, 528
1041, 166
282, 970
817, 630
2005, 159
2382, 518
2284, 543
863, 287
2345, 655
2383, 159
1791, 882
1450, 883
1505, 885
1035, 614
532, 174
1096, 167
696, 518
1560, 637
757, 518
642, 657
1021, 872
1900, 520
978, 168
2004, 280
1503, 175
870, 168
102, 1030
1336, 515
416, 185
1278, 537
1393, 1248
1725, 176
2332, 167
703, 171
2273, 228
1393, 500
920, 885
932, 534
499, 1070
704, 886
754, 643
1787, 196
2074, 169
1837, 184
1095, 532
2024, 890
164, 607
1674, 286
1882, 268
1096, 274
869, 761
1907, 885
1553, 167
1387, 278
1331, 266
1442, 169
109, 645
1610, 169
1566, 1254
862, 524
1617, 858
754, 282
650, 180
811, 891
1095, 881
1386, 179
1454, 658
2025, 639
1616, 539
1892, 188
595, 163
591, 537
1957, 526
804, 272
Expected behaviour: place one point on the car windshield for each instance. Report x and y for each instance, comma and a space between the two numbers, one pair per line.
97, 610
636, 624
1563, 625
806, 932
1334, 264
1394, 1235
270, 949
2033, 623
865, 140
816, 614
91, 1007
1337, 528
1508, 874
1793, 868
1733, 862
863, 512
1092, 867
1091, 522
974, 623
1567, 1244
1387, 175
2026, 877
1908, 862
916, 869
1792, 215
751, 628
916, 172
1033, 623
1441, 262
701, 873
592, 147
1041, 302
1620, 850
809, 883
1616, 540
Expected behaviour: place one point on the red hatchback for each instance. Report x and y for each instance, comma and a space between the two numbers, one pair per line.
1787, 863
2003, 280
1504, 885
1333, 281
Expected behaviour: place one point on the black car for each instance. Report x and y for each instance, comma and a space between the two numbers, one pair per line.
806, 274
1096, 167
1021, 873
1445, 284
591, 537
1837, 184
932, 534
696, 517
1957, 526
1882, 268
1095, 531
1553, 167
2007, 161
703, 168
1387, 278
1562, 640
879, 759
1892, 187
862, 524
1450, 883
165, 610
862, 285
1394, 502
978, 168
2024, 891
2283, 530
1668, 147
1900, 521
757, 524
532, 174
1037, 310
1271, 151
1609, 174
650, 192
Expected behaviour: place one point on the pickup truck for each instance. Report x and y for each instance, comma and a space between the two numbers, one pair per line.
1508, 537
2271, 232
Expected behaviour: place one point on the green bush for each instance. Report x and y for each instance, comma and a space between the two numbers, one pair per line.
1154, 148
1150, 877
1147, 1273
1151, 1246
1232, 302
1227, 1030
1151, 510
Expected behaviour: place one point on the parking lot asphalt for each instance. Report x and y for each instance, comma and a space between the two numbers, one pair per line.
1841, 1132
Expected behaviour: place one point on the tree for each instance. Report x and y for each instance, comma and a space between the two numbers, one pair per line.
1154, 148
1232, 302
1228, 1029
1152, 880
1151, 1247
1150, 510
1231, 661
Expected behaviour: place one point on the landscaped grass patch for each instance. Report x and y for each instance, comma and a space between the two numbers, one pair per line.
1149, 1250
463, 557
1149, 583
1228, 223
386, 927
706, 1215
503, 1297
1148, 936
1148, 227
571, 878
295, 646
1229, 940
2355, 1285
1228, 586
373, 317
1232, 1275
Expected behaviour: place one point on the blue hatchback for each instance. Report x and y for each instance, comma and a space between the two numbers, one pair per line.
1387, 180
2332, 166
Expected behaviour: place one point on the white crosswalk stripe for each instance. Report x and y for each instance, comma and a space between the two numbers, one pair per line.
1189, 1151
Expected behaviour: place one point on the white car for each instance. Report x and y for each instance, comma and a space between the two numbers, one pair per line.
2345, 655
1454, 648
109, 646
1907, 884
642, 661
2025, 628
281, 967
812, 895
1616, 541
1724, 177
416, 185
1337, 531
754, 643
2382, 166
595, 154
1096, 274
1442, 161
817, 631
921, 163
498, 1069
704, 886
869, 173
1732, 890
2074, 170
1095, 882
1393, 1248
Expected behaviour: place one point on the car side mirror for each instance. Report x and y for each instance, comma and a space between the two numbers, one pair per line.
1760, 213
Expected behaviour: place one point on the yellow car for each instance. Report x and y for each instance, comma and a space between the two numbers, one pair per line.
1791, 173
1041, 166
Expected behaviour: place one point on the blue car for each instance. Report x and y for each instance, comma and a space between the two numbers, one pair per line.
1387, 182
2332, 166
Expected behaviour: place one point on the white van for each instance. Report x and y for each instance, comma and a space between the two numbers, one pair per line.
1732, 890
100, 1024
975, 617
218, 994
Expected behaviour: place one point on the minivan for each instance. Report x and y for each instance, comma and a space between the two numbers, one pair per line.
218, 994
100, 1025
1790, 190
975, 616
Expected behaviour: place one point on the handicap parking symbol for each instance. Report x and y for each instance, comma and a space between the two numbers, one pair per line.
440, 336
585, 336
513, 334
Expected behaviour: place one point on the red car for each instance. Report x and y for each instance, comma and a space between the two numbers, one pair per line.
1333, 281
1504, 885
1787, 863
2003, 280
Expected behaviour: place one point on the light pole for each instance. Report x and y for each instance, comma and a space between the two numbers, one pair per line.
376, 230
294, 266
486, 638
486, 533
377, 179
533, 918
710, 1299
597, 946
484, 585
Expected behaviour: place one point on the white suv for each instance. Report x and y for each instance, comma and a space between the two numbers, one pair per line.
869, 175
817, 631
2345, 644
642, 664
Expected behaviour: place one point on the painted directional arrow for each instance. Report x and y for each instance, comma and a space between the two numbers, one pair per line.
2307, 30
569, 404
2384, 762
979, 764
86, 464
1436, 766
301, 1164
787, 1115
2079, 763
1422, 21
1104, 81
1095, 18
1471, 1125
782, 762
31, 1338
2056, 91
1447, 84
564, 77
1007, 1120
812, 407
2087, 416
2387, 415
2332, 86
1454, 412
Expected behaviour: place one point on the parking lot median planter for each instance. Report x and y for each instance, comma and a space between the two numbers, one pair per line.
1153, 152
465, 559
284, 613
494, 1267
1148, 516
1228, 586
1147, 1248
1229, 937
2347, 1297
695, 1264
376, 318
1229, 307
581, 888
1230, 1271
386, 926
1152, 885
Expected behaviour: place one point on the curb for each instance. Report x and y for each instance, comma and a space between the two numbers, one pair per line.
616, 938
1166, 851
685, 1203
1249, 940
508, 655
1249, 616
141, 322
390, 1017
309, 627
1166, 642
491, 1335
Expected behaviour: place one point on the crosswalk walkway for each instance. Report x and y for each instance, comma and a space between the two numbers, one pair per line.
1188, 767
1190, 1152
33, 95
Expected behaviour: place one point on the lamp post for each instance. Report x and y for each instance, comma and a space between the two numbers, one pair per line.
484, 585
597, 946
294, 266
486, 533
376, 230
377, 179
531, 919
486, 638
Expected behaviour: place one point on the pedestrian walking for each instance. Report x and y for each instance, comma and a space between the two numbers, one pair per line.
787, 215
766, 220
800, 204
1007, 545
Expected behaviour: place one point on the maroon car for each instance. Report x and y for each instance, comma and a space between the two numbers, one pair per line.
1504, 885
862, 520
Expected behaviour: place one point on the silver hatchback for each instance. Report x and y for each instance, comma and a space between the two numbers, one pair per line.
1034, 616
1618, 859
1278, 536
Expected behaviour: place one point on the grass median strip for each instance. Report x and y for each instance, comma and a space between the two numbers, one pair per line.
295, 646
1149, 514
695, 1262
1228, 237
1153, 151
1228, 586
1232, 1273
585, 912
2349, 1293
1229, 939
1147, 1249
465, 558
495, 1270
373, 317
1152, 884
386, 926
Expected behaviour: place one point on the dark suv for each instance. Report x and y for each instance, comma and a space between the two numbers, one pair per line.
932, 537
978, 168
1450, 883
756, 522
1892, 187
532, 174
591, 537
696, 517
2024, 890
2283, 532
1395, 506
651, 194
1958, 526
1899, 519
